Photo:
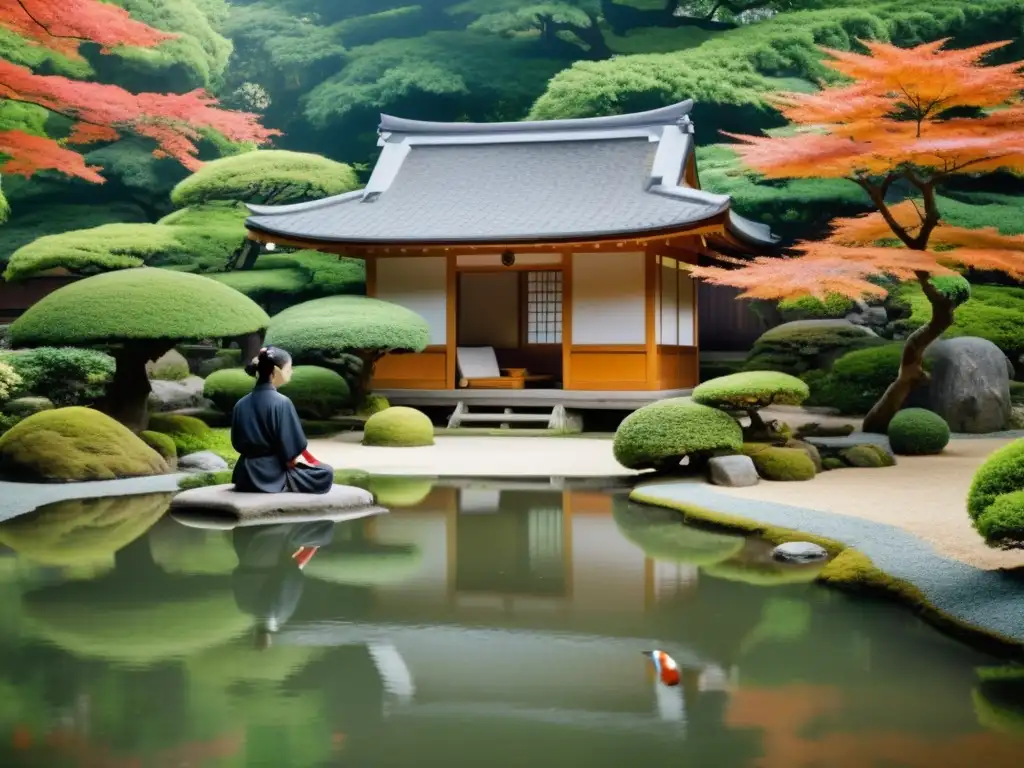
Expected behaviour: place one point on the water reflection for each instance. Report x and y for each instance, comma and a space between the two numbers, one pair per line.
473, 624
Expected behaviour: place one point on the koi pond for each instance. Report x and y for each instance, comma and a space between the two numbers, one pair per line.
477, 624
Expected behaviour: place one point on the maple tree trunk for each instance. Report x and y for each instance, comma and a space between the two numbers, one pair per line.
127, 396
912, 363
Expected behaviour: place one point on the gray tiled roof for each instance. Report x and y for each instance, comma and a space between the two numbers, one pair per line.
505, 192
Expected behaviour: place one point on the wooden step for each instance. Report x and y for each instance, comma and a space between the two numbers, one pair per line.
556, 419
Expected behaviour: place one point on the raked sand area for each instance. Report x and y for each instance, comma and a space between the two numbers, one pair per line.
922, 495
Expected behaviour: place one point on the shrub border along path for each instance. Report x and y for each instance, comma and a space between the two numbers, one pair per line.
983, 606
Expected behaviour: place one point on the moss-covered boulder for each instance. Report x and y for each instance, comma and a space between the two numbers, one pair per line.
73, 445
918, 432
780, 464
1002, 475
866, 456
399, 427
660, 435
161, 443
317, 393
192, 435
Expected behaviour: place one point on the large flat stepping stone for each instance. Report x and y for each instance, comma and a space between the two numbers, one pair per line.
833, 445
223, 504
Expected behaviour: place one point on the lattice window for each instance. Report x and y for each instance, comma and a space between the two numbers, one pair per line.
544, 307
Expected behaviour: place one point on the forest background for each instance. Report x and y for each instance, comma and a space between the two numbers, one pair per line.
321, 71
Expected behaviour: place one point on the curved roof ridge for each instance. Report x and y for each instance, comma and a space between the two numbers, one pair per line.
669, 115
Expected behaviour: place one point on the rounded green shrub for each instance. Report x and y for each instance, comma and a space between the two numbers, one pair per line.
751, 390
75, 444
161, 443
64, 375
373, 404
318, 393
1002, 523
9, 381
226, 387
1001, 474
191, 435
858, 379
834, 306
798, 347
399, 427
26, 406
918, 432
661, 434
783, 464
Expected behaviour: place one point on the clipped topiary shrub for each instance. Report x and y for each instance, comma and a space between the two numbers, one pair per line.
399, 427
858, 379
1002, 523
660, 435
835, 306
1002, 474
64, 375
783, 464
318, 393
918, 432
751, 391
798, 347
161, 443
73, 445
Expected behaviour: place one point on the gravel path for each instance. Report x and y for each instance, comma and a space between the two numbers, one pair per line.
991, 600
19, 498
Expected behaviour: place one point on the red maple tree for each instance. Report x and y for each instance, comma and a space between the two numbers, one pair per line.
911, 117
101, 112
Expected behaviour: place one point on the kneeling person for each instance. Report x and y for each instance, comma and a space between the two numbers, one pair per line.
267, 433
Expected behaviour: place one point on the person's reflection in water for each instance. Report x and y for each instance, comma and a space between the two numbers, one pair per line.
268, 581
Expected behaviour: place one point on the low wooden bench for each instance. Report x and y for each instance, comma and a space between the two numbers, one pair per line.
556, 419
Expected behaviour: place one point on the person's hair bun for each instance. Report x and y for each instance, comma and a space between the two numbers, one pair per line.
253, 366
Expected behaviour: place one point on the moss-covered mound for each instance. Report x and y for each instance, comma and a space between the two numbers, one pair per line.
135, 305
1001, 475
73, 445
331, 327
399, 427
659, 435
318, 393
865, 456
191, 435
858, 379
397, 492
798, 347
372, 404
663, 536
83, 531
782, 464
161, 443
918, 432
751, 390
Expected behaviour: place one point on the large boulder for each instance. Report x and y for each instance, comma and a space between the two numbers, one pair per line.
732, 471
177, 395
970, 385
342, 502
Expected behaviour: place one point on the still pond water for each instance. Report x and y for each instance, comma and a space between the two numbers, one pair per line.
474, 626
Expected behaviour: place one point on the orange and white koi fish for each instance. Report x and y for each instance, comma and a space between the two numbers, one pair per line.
665, 666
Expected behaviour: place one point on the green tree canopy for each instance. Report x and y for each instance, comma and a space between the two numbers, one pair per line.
142, 313
266, 176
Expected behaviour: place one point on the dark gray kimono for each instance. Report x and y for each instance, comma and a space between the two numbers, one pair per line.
267, 433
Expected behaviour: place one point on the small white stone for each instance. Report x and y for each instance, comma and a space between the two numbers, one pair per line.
799, 552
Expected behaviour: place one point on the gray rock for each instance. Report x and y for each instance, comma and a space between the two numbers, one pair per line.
202, 461
833, 446
177, 395
223, 501
732, 471
799, 552
970, 385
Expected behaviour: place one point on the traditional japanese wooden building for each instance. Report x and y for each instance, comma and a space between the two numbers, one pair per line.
549, 258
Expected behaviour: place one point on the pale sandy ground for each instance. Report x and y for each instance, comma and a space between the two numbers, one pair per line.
924, 495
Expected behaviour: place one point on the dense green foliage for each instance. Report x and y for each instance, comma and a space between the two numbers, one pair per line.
398, 427
73, 445
9, 381
796, 348
1002, 524
834, 307
660, 435
918, 432
137, 304
191, 435
161, 443
318, 393
64, 375
751, 390
1001, 474
331, 327
858, 379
